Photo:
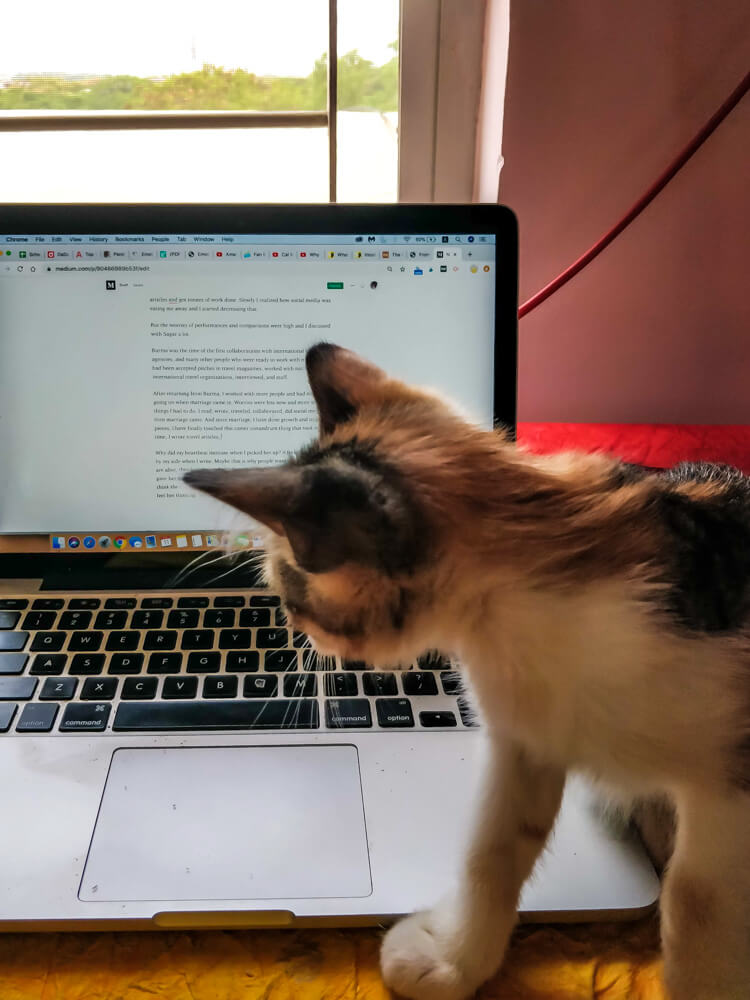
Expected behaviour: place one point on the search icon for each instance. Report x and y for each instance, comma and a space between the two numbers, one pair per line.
389, 268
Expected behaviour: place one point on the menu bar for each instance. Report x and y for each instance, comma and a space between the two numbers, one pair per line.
247, 238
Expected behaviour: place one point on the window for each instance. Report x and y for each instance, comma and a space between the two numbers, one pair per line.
189, 101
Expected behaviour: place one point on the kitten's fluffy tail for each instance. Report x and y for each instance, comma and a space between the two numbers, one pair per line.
653, 817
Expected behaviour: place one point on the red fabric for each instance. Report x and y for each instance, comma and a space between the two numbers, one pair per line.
660, 445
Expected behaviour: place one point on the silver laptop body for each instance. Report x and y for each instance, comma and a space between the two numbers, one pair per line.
171, 754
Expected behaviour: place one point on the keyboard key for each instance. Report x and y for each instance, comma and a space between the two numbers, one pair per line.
10, 642
312, 662
12, 663
255, 617
467, 713
180, 687
300, 686
47, 665
394, 713
147, 619
280, 617
375, 683
99, 688
193, 602
235, 638
9, 619
192, 715
160, 640
122, 664
58, 689
17, 688
74, 619
433, 661
280, 660
37, 718
243, 662
220, 687
136, 688
262, 686
353, 665
199, 638
84, 604
418, 683
299, 639
183, 619
7, 711
32, 620
230, 601
85, 665
164, 663
111, 619
218, 618
90, 718
157, 602
120, 603
451, 681
430, 720
123, 641
271, 638
265, 601
13, 603
204, 663
50, 641
348, 713
85, 640
48, 604
341, 685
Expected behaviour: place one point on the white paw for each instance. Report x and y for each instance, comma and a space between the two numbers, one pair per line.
417, 962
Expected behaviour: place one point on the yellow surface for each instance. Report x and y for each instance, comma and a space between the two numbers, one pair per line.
594, 962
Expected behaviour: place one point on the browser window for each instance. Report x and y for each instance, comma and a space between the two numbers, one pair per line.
127, 360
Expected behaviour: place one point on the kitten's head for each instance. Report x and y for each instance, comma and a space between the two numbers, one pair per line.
354, 520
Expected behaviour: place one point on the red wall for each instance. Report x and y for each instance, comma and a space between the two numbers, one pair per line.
600, 97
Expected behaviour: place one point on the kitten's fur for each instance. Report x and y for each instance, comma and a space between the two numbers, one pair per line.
602, 614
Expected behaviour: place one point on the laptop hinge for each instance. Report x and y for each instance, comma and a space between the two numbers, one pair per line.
19, 586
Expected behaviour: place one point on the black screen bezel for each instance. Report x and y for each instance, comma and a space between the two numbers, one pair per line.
97, 570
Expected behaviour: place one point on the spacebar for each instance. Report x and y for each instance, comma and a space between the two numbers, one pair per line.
297, 713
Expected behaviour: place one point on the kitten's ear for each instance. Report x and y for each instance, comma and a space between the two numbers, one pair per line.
341, 382
264, 494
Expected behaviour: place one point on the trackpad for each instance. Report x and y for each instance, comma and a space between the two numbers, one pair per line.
229, 823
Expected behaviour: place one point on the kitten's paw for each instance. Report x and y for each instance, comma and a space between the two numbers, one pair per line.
417, 962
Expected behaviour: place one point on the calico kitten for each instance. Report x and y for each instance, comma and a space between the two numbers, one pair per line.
601, 612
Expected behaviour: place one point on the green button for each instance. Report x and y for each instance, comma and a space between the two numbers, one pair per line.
335, 284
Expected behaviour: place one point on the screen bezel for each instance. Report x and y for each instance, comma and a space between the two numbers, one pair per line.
94, 570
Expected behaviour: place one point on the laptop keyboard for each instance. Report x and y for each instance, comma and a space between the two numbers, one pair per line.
192, 663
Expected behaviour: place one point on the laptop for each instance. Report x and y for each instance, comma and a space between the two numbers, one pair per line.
172, 754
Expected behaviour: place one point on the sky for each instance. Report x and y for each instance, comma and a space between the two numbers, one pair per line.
160, 37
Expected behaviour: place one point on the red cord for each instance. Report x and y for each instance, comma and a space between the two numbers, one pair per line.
661, 182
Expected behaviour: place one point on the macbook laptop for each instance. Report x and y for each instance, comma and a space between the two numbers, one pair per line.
172, 754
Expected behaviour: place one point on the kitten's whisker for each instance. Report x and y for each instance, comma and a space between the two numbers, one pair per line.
193, 565
232, 569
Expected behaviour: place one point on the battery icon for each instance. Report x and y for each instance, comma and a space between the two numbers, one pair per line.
334, 284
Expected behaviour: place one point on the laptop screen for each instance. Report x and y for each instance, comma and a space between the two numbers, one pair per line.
128, 358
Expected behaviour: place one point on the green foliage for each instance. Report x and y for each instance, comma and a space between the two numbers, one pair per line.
212, 88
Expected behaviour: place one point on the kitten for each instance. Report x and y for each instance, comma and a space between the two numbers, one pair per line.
601, 612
